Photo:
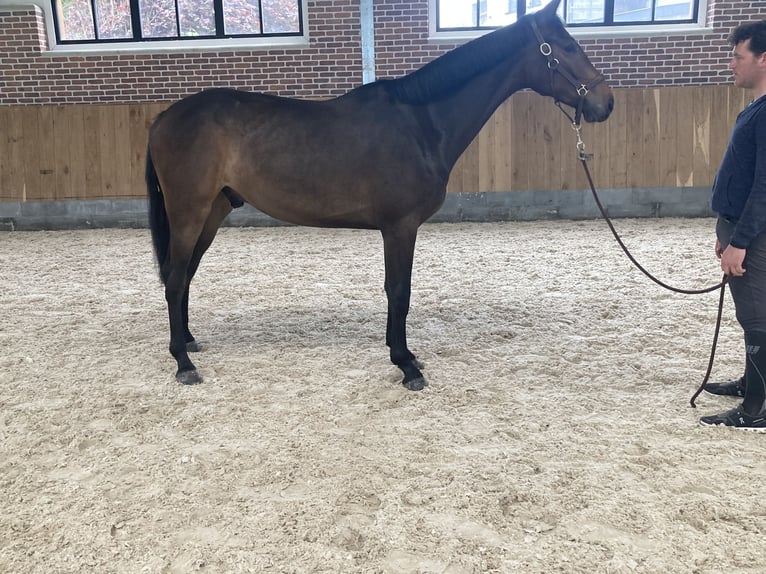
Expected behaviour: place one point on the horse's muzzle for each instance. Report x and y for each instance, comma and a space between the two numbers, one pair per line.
597, 109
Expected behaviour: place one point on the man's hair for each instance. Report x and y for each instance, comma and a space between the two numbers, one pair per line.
753, 31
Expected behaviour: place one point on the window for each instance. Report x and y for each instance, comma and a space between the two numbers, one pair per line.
488, 14
108, 21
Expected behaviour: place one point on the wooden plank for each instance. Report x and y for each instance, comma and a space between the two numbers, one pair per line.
634, 141
470, 172
92, 135
11, 178
503, 166
121, 161
650, 133
137, 133
62, 152
545, 126
596, 140
77, 157
702, 104
536, 160
685, 135
668, 137
30, 119
520, 152
486, 142
617, 155
47, 151
108, 150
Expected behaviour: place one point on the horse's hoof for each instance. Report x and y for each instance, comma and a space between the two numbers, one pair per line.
416, 384
188, 377
193, 347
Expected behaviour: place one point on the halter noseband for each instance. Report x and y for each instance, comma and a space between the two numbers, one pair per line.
554, 66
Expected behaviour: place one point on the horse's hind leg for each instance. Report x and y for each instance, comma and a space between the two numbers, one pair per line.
221, 208
189, 238
176, 273
399, 249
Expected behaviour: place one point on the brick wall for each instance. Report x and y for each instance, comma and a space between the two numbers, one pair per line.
331, 65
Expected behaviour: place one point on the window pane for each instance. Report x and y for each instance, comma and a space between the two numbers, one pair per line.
457, 14
197, 17
586, 11
75, 20
113, 19
280, 16
632, 10
241, 17
535, 5
673, 10
498, 12
158, 19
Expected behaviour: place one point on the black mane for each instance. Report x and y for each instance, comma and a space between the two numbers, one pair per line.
454, 69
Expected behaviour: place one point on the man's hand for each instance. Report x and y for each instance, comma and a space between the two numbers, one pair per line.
731, 260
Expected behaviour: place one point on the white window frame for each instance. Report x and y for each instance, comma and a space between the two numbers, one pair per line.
159, 46
639, 30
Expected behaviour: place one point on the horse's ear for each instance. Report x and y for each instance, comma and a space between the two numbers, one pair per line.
552, 6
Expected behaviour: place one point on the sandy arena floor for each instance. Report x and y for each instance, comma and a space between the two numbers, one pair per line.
555, 436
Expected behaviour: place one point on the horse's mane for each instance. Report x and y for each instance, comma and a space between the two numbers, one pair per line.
452, 70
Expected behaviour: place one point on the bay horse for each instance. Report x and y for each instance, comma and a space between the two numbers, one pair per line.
378, 157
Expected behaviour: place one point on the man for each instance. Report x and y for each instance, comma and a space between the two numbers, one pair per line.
739, 199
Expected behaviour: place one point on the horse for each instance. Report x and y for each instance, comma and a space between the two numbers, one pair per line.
377, 157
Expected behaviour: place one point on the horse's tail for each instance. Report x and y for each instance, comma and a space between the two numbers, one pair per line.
158, 216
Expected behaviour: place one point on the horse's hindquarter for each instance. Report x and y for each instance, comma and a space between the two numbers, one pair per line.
338, 163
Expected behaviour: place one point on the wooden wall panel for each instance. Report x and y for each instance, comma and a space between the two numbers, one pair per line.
702, 106
647, 166
618, 152
11, 157
597, 139
656, 137
685, 135
30, 154
668, 123
521, 141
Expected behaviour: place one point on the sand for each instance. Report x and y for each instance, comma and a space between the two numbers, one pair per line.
555, 435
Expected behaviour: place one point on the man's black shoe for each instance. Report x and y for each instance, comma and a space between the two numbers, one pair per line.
728, 389
737, 418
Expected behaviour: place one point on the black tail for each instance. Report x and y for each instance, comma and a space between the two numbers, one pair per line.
158, 217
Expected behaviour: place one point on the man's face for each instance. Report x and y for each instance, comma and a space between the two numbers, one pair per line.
749, 70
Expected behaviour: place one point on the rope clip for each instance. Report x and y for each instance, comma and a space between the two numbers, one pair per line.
581, 154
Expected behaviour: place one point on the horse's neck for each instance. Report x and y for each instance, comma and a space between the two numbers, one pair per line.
462, 88
460, 116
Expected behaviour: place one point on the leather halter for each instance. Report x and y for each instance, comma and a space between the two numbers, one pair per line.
554, 66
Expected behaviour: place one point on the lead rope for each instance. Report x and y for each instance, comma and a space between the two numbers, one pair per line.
584, 157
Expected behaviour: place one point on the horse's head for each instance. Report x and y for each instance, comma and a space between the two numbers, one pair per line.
560, 68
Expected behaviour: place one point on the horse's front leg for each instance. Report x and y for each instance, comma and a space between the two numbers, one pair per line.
399, 248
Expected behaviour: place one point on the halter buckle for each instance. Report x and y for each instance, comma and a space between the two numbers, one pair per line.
553, 63
583, 90
545, 49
